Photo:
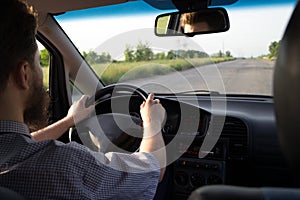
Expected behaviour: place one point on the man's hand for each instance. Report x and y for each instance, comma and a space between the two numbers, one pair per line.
153, 114
78, 111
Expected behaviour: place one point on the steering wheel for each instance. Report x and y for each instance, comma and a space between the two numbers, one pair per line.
111, 131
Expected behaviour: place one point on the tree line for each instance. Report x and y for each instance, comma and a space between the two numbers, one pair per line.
142, 52
93, 58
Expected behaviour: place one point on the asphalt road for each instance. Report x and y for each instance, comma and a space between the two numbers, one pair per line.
242, 76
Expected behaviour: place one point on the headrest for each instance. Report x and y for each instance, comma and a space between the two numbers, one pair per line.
287, 91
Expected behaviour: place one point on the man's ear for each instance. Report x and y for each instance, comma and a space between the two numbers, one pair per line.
22, 75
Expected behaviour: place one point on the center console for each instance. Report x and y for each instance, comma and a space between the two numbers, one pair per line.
191, 172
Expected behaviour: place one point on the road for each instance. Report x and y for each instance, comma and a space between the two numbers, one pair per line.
242, 76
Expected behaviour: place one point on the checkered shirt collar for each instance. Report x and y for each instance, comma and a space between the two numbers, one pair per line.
7, 126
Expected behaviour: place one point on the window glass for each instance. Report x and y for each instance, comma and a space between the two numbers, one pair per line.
123, 48
45, 64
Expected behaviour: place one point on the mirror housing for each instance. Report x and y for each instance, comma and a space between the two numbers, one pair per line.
204, 21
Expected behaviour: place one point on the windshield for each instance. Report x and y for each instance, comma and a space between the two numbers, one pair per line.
120, 45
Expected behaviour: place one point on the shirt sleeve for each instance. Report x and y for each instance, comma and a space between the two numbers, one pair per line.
119, 175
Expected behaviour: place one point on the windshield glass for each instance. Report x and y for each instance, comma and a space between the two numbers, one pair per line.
120, 45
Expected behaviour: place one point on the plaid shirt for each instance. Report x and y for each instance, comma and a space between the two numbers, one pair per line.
53, 170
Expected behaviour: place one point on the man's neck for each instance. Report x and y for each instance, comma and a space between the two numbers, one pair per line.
9, 110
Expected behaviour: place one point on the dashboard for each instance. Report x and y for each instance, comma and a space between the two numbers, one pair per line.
246, 152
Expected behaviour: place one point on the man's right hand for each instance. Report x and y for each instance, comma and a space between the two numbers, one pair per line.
153, 114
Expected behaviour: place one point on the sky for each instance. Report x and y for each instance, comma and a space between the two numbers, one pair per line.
251, 32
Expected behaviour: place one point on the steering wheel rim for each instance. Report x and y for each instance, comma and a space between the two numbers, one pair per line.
97, 98
123, 139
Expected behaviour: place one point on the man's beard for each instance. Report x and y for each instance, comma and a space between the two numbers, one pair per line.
36, 112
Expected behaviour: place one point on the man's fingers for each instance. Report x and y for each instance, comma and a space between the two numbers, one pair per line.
90, 108
83, 98
150, 96
156, 101
143, 104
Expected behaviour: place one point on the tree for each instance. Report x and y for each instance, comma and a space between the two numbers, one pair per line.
228, 54
220, 54
129, 54
273, 48
103, 58
84, 54
190, 53
45, 58
160, 56
170, 55
93, 58
182, 54
203, 55
143, 52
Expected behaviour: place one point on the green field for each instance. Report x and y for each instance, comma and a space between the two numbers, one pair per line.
113, 72
46, 77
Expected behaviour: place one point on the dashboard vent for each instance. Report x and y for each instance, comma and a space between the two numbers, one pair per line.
235, 132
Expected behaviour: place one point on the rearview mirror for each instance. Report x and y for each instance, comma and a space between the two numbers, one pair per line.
210, 20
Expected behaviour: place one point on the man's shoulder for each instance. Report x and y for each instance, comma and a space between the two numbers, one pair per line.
59, 149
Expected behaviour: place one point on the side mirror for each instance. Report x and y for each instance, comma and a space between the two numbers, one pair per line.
209, 20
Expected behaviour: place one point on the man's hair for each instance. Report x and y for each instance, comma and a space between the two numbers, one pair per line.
18, 27
210, 18
190, 18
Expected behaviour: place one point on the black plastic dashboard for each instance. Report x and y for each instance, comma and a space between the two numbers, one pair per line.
246, 153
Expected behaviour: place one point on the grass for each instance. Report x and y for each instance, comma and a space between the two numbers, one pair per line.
121, 71
46, 77
114, 72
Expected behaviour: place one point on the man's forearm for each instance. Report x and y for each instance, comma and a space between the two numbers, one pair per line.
53, 131
153, 143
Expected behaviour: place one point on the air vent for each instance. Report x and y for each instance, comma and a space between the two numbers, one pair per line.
235, 132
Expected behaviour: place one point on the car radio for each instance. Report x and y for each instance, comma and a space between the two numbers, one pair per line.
191, 172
